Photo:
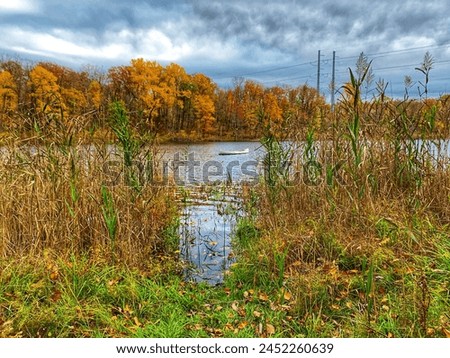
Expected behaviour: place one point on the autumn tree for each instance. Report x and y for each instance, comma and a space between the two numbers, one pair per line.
252, 105
204, 108
95, 95
8, 95
306, 107
271, 114
119, 86
177, 88
149, 95
45, 92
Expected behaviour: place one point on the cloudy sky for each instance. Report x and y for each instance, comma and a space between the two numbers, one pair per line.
273, 42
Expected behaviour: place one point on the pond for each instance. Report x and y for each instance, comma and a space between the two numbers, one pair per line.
208, 177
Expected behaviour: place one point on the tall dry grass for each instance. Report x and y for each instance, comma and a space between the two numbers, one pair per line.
52, 202
356, 223
378, 161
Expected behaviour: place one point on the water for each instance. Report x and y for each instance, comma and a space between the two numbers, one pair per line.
211, 206
202, 164
206, 229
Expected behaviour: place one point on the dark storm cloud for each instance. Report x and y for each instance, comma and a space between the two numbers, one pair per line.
98, 16
289, 26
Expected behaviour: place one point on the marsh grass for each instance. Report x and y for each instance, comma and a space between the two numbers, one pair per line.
362, 226
63, 201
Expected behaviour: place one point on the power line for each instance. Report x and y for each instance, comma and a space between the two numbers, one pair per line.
406, 50
287, 79
340, 75
338, 59
270, 70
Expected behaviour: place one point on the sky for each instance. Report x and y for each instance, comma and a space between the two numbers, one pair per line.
272, 42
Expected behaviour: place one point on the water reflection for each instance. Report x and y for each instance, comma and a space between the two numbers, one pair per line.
209, 188
206, 229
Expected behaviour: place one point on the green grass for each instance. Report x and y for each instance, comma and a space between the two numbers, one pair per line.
81, 299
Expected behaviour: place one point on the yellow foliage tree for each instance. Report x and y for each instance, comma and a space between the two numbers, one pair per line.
8, 95
74, 100
204, 110
272, 114
95, 94
145, 77
45, 91
204, 103
252, 104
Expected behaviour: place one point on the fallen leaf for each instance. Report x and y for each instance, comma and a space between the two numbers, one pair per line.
127, 310
218, 308
274, 307
54, 275
287, 295
136, 322
270, 329
260, 328
234, 306
56, 296
242, 325
257, 314
446, 332
349, 304
263, 297
217, 332
38, 285
112, 282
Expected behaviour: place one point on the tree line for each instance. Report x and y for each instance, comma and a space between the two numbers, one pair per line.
165, 100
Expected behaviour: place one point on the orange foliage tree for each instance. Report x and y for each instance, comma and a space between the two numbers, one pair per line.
8, 95
203, 103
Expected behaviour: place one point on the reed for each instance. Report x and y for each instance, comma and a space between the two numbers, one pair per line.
75, 200
362, 208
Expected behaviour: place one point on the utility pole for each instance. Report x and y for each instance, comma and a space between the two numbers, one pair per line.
333, 80
318, 72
